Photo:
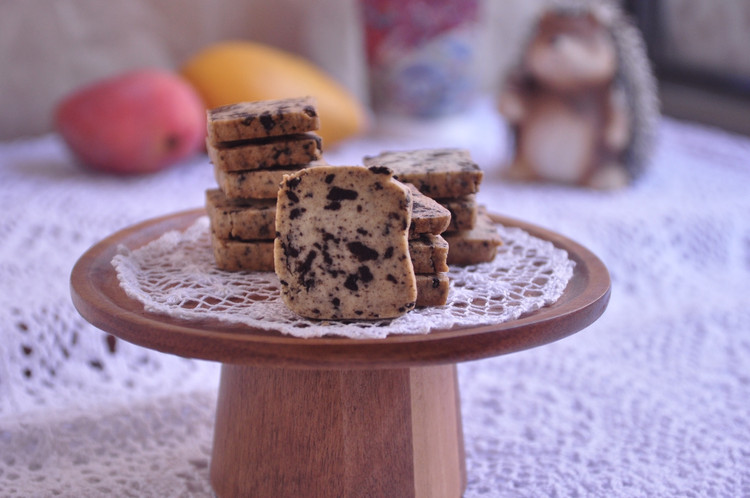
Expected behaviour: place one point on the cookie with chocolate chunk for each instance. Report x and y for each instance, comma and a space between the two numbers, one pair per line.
254, 184
242, 255
427, 215
241, 219
265, 118
341, 249
463, 212
266, 152
429, 253
436, 173
478, 245
432, 290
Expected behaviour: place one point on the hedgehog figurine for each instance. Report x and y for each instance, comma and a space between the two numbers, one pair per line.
582, 102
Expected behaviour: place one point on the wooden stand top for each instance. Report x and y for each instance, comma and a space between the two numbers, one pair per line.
97, 295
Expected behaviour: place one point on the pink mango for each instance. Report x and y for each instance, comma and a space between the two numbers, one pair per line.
139, 122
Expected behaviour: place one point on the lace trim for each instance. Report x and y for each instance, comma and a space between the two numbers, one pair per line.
176, 275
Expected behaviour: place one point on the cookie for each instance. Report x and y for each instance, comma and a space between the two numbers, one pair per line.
432, 290
427, 215
266, 153
463, 212
241, 219
254, 184
341, 249
478, 245
436, 173
266, 118
429, 253
237, 255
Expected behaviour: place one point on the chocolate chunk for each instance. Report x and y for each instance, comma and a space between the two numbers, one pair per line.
341, 194
362, 252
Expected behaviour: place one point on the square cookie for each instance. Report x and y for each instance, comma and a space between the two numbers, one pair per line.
463, 212
341, 248
282, 151
432, 290
429, 253
435, 172
254, 184
478, 245
427, 215
240, 255
246, 219
265, 118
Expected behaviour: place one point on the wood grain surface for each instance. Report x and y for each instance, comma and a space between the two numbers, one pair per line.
344, 433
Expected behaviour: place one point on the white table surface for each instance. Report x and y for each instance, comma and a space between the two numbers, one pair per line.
651, 400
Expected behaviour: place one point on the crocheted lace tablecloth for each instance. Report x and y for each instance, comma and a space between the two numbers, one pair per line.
651, 400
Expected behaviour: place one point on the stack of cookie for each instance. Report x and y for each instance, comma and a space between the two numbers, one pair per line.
252, 146
450, 177
428, 249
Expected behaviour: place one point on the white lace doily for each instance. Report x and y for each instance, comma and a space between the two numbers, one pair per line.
176, 275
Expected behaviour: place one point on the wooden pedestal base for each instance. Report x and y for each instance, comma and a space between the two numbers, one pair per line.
288, 432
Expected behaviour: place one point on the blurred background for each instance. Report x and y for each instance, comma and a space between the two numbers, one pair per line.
651, 400
700, 54
47, 49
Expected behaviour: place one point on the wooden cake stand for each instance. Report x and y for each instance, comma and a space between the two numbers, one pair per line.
332, 416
